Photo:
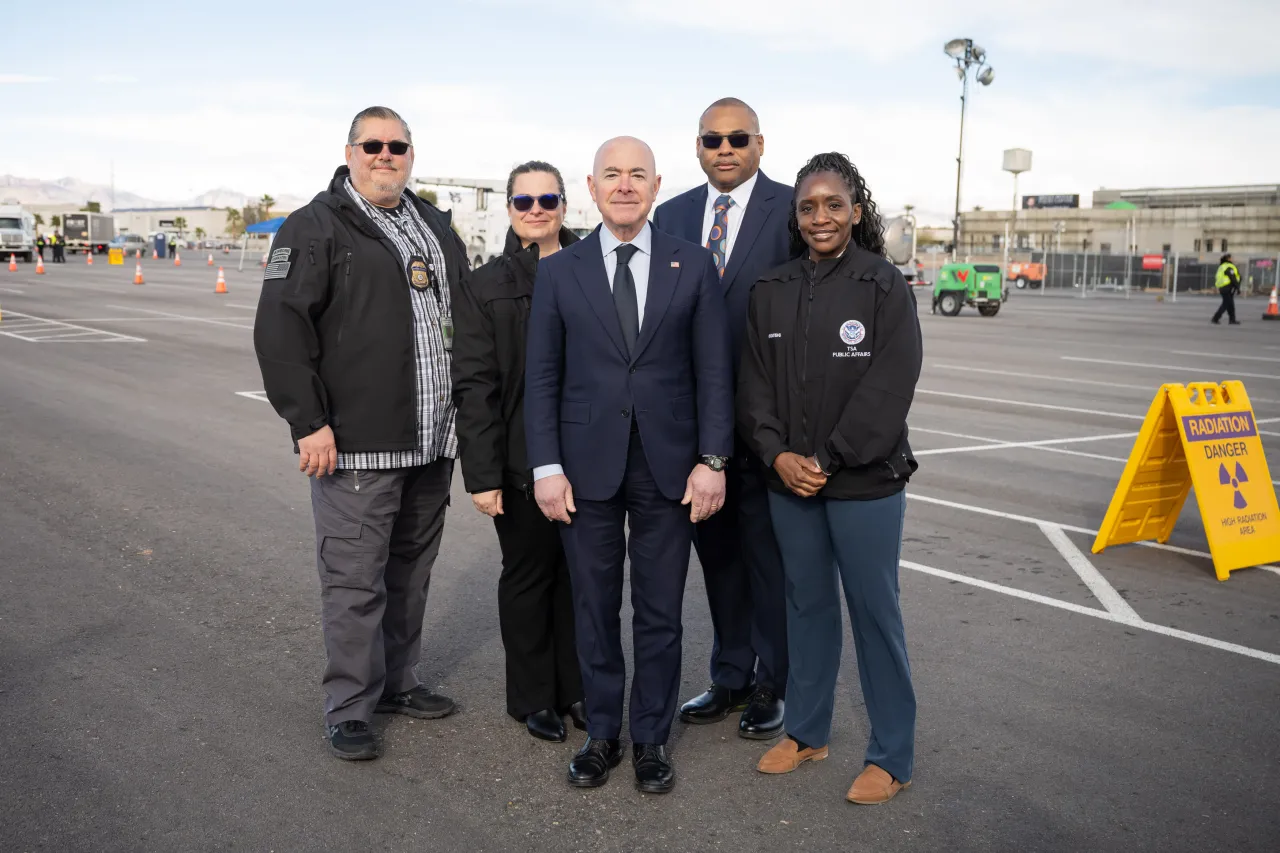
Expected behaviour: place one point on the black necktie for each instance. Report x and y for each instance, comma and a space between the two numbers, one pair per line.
624, 297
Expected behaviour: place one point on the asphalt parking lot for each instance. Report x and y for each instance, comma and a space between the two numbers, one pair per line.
160, 649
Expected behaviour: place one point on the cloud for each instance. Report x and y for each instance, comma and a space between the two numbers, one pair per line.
121, 79
24, 78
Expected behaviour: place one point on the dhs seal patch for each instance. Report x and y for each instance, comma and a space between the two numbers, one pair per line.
852, 332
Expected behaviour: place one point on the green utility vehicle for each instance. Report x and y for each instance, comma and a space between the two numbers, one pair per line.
961, 284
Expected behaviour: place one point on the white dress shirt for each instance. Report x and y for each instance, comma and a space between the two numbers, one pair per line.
741, 195
639, 264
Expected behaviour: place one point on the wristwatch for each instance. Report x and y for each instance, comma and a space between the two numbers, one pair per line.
715, 463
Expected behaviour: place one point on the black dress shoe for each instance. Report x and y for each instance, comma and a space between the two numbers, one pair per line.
546, 725
578, 713
654, 773
763, 718
716, 704
590, 767
418, 702
351, 740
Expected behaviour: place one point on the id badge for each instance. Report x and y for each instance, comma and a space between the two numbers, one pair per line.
446, 331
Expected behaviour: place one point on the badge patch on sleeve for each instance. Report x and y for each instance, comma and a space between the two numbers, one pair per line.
278, 264
419, 276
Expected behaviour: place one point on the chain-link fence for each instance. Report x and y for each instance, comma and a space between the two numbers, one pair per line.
1090, 273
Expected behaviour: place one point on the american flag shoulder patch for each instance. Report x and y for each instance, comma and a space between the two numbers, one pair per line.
278, 265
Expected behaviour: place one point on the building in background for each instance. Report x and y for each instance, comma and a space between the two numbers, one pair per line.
148, 221
1195, 221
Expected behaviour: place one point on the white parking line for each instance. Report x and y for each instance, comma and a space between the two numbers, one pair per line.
170, 316
260, 396
31, 325
239, 305
1228, 356
1097, 614
1026, 519
1088, 572
1031, 405
15, 291
1198, 369
1045, 444
1149, 389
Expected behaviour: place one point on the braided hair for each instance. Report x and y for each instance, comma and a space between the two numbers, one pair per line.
868, 234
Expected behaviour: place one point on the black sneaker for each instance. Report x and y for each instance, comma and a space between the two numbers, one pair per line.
351, 740
418, 702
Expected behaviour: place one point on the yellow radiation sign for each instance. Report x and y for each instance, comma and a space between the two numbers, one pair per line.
1204, 436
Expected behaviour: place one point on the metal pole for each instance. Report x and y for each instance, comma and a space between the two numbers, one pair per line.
955, 225
1044, 279
1175, 276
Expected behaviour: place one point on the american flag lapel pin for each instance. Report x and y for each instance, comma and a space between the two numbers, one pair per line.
675, 265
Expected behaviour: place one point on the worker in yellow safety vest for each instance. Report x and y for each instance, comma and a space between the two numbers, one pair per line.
1228, 282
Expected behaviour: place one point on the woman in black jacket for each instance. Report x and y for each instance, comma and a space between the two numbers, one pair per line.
491, 312
829, 368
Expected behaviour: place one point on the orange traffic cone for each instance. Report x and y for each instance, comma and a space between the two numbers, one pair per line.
39, 265
88, 257
211, 259
13, 263
155, 254
1273, 308
221, 286
177, 258
138, 254
137, 272
226, 251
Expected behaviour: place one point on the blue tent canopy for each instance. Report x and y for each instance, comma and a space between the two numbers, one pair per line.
269, 226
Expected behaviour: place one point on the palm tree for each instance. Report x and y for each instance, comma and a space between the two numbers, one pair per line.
199, 233
235, 222
265, 203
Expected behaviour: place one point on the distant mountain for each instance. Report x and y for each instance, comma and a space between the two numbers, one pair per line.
68, 191
73, 192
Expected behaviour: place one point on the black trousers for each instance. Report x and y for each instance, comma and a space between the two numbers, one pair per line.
597, 543
746, 586
535, 610
1228, 305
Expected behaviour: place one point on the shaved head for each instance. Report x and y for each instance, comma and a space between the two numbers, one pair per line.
623, 183
626, 148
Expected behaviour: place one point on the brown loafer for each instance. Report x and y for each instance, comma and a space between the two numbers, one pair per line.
874, 786
787, 755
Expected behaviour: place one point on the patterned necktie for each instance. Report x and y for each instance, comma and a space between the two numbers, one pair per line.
624, 297
718, 239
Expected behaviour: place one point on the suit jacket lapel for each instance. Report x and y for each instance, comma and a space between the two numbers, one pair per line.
593, 280
662, 286
759, 209
694, 212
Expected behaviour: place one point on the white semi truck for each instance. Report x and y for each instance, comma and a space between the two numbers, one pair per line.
17, 231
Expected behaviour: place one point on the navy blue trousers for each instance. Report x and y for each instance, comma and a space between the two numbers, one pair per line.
855, 544
743, 573
596, 543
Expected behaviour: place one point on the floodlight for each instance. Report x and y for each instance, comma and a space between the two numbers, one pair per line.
978, 53
988, 74
956, 48
959, 71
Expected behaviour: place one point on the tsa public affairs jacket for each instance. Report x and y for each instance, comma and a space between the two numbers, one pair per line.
583, 391
491, 315
334, 330
829, 367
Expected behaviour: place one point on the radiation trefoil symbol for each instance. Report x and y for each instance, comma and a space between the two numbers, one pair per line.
1225, 478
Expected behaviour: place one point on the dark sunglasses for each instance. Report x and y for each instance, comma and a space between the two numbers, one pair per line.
524, 203
737, 140
374, 146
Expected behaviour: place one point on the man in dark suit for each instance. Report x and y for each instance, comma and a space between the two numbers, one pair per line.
629, 419
741, 216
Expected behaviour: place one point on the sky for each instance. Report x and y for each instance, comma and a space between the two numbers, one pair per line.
1121, 93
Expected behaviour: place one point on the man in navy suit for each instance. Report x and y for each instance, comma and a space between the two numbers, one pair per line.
741, 216
629, 419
